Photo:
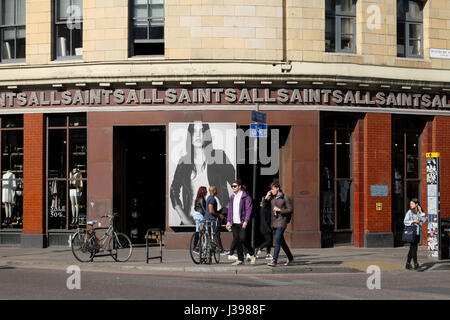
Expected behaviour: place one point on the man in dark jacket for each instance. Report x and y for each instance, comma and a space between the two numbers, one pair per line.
239, 214
281, 208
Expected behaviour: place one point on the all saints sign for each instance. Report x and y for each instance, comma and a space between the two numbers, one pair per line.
238, 96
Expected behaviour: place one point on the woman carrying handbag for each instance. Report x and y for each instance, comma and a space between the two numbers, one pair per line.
414, 217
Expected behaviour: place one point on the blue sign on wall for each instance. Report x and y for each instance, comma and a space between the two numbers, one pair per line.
379, 190
258, 116
258, 130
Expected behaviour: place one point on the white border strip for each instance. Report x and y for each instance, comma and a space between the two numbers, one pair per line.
6, 111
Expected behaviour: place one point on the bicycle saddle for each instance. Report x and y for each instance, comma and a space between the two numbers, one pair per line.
91, 223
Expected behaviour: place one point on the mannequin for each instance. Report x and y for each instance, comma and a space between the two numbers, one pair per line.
8, 194
76, 186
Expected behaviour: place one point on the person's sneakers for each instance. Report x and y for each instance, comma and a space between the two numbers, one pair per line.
196, 251
272, 264
408, 266
232, 257
237, 262
258, 253
288, 262
269, 256
247, 257
224, 252
252, 259
416, 267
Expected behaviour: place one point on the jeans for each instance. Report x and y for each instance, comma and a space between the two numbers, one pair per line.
197, 218
279, 241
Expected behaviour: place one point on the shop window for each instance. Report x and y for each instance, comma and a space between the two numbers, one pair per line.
68, 29
340, 26
406, 169
147, 25
410, 28
336, 173
12, 30
11, 165
66, 170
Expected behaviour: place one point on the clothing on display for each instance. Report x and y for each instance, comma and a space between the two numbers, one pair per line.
76, 186
9, 187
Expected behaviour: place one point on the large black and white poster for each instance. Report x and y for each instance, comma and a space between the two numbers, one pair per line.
200, 154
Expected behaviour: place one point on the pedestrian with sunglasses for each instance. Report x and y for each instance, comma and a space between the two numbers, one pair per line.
240, 209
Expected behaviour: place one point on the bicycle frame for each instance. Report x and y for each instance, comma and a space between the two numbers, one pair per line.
102, 241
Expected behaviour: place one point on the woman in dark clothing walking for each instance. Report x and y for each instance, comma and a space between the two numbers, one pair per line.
281, 211
266, 231
415, 216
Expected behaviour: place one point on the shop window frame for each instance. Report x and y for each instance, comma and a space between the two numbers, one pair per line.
68, 128
404, 179
404, 21
335, 12
149, 21
18, 180
16, 26
350, 123
75, 21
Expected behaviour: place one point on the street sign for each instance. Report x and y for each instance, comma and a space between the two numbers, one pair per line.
259, 117
258, 130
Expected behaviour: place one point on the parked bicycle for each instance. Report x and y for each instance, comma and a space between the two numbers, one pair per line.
208, 244
86, 245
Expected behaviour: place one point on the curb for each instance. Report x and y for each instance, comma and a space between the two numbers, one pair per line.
213, 269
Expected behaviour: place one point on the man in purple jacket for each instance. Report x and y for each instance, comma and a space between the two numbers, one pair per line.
239, 213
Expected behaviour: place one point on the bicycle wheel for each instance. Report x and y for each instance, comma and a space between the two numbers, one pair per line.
120, 246
215, 249
205, 249
82, 247
195, 256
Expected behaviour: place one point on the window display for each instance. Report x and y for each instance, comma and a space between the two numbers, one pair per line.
66, 170
336, 173
11, 132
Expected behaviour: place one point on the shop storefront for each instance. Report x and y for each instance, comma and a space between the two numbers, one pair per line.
350, 159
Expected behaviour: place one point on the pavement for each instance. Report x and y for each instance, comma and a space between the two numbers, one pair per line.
341, 259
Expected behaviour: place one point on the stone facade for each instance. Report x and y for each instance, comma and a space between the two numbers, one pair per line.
257, 30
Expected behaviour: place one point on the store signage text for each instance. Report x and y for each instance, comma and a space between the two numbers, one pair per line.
292, 96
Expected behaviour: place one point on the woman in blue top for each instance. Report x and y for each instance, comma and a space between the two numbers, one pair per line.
414, 216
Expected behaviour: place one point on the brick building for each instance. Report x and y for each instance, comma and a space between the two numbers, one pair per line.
357, 92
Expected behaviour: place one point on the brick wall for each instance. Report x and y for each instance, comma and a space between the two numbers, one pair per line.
377, 171
33, 192
223, 29
441, 139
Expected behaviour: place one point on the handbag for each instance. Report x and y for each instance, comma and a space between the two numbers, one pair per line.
409, 234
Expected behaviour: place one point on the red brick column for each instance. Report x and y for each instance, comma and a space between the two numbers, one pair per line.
358, 184
377, 171
441, 144
33, 181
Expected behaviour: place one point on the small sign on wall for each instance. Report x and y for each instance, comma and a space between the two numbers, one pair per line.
378, 190
439, 53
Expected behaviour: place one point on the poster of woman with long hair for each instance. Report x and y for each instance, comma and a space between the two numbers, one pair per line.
200, 154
